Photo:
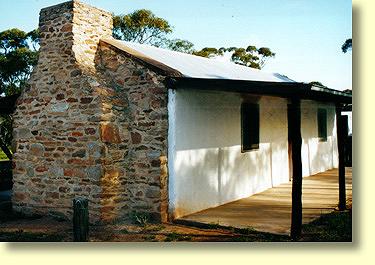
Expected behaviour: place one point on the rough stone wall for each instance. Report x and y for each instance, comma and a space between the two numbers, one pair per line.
134, 128
56, 129
93, 124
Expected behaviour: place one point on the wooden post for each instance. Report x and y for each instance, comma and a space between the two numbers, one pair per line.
346, 142
340, 146
296, 139
80, 220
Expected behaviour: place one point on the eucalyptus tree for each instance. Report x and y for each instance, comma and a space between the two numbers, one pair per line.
18, 56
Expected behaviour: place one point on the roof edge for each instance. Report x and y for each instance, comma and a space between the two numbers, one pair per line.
164, 69
279, 89
330, 90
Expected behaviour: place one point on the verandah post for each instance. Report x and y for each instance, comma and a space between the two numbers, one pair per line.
296, 139
340, 126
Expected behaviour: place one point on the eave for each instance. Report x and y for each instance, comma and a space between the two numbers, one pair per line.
293, 90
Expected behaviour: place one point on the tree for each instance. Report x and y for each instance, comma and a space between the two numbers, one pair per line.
6, 134
250, 57
145, 27
317, 83
180, 45
141, 26
209, 52
347, 46
18, 55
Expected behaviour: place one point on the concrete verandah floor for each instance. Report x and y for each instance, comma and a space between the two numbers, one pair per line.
270, 211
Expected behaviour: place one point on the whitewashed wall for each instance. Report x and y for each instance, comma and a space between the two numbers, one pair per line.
206, 166
317, 156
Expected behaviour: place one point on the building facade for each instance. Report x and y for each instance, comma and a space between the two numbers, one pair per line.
102, 120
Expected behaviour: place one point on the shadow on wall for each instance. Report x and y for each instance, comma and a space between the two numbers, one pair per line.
211, 177
317, 155
209, 165
208, 120
110, 173
133, 129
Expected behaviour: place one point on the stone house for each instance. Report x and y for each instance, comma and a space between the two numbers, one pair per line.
137, 128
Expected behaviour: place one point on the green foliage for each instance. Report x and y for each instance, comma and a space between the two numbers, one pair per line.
145, 27
179, 45
250, 57
347, 46
6, 129
141, 26
317, 83
18, 55
140, 218
3, 156
242, 57
12, 39
209, 52
15, 69
177, 237
34, 37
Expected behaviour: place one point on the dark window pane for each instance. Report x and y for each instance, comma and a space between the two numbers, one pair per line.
322, 124
250, 126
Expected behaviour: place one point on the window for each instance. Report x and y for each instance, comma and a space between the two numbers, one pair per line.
249, 126
322, 125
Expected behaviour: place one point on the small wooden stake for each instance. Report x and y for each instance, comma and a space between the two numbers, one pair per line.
80, 220
296, 139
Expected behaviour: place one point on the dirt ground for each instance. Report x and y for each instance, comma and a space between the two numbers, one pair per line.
49, 229
335, 226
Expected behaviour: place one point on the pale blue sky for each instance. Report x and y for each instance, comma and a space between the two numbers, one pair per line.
306, 35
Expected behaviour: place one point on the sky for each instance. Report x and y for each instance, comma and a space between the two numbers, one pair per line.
306, 35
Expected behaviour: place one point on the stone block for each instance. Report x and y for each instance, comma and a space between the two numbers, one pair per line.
36, 149
153, 192
136, 137
109, 133
59, 107
94, 172
23, 133
80, 153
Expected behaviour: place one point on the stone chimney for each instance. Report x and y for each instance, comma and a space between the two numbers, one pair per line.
56, 125
93, 123
70, 34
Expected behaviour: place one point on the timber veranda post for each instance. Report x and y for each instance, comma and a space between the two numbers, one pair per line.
296, 139
340, 126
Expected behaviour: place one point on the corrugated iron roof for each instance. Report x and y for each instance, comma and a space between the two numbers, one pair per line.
186, 70
187, 65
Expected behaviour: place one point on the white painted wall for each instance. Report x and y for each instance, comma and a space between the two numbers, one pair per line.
206, 166
317, 156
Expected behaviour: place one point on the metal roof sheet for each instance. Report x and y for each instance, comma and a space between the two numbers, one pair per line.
195, 66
